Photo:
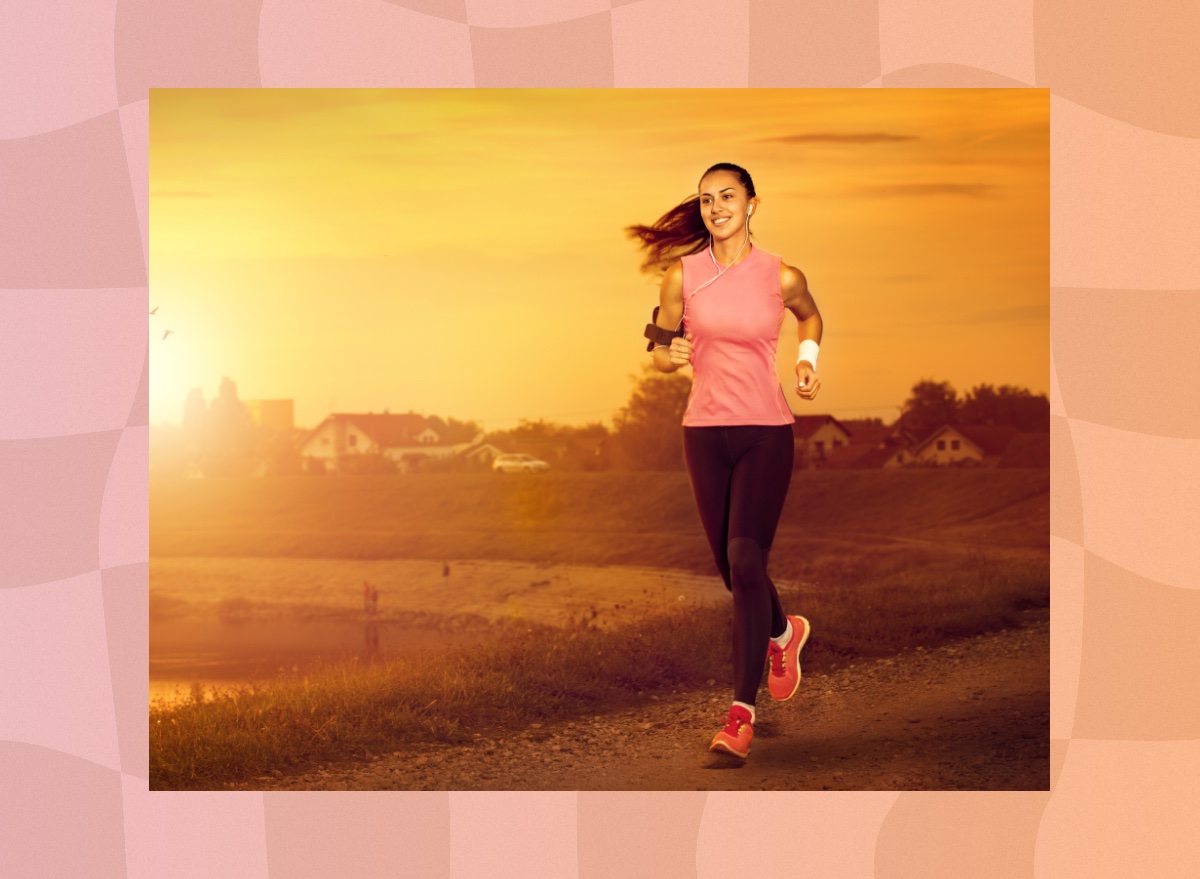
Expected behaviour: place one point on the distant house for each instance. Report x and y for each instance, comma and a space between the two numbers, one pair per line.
854, 456
404, 439
959, 443
868, 456
482, 453
816, 438
866, 433
871, 447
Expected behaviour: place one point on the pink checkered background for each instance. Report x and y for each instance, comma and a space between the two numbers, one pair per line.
74, 76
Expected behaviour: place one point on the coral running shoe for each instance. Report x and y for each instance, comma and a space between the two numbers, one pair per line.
735, 737
785, 662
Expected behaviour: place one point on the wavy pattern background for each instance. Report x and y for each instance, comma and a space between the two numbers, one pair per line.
74, 76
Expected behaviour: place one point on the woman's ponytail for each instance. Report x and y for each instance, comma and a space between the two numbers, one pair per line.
676, 233
680, 230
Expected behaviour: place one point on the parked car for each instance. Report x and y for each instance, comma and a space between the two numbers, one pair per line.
516, 463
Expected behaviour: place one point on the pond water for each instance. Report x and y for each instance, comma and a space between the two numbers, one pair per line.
220, 653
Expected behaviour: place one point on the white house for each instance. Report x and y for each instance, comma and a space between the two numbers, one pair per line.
481, 452
872, 446
816, 437
955, 443
401, 438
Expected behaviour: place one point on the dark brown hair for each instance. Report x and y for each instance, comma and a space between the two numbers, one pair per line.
681, 230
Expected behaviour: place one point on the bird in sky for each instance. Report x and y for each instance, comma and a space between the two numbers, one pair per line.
154, 309
167, 333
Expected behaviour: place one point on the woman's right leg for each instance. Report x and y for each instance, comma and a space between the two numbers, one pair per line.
710, 471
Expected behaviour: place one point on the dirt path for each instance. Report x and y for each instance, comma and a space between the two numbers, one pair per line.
973, 714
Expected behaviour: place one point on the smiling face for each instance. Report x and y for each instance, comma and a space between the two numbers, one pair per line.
724, 204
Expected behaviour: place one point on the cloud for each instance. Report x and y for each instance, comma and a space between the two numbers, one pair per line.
922, 190
180, 193
1008, 314
283, 104
841, 137
1003, 315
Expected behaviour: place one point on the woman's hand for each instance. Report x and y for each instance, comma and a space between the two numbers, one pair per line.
681, 350
807, 383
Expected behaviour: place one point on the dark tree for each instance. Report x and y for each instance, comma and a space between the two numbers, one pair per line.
647, 434
930, 405
232, 452
220, 437
1007, 405
195, 415
453, 431
565, 447
527, 430
196, 433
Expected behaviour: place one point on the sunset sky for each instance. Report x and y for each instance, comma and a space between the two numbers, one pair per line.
461, 252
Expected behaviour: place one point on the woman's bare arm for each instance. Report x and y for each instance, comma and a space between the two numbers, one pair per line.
799, 301
670, 313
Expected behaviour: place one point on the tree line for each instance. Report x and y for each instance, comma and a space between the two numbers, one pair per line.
933, 404
219, 437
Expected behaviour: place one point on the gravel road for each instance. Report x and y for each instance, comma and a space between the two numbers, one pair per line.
970, 715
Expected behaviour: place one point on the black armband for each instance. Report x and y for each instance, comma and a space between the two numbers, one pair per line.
657, 335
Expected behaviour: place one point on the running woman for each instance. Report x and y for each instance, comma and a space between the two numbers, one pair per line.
721, 307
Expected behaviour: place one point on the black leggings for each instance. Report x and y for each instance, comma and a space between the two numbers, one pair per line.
740, 478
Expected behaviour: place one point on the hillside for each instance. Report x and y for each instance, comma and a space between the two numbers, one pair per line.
646, 519
882, 563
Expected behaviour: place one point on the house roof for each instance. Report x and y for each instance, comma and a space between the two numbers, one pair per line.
1027, 450
807, 425
385, 429
860, 456
854, 425
992, 440
870, 435
476, 449
989, 440
847, 457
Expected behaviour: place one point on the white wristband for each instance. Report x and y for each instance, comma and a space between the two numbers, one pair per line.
808, 351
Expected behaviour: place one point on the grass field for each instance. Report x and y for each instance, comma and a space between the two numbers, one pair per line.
645, 519
881, 561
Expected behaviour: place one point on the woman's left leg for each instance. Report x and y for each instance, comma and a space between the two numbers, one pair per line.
758, 489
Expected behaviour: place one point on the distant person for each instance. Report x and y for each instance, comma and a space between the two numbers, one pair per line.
374, 600
370, 640
366, 597
445, 569
721, 305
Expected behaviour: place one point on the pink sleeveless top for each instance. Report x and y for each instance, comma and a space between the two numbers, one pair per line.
735, 324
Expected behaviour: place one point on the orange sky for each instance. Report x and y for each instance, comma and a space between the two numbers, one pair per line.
461, 253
